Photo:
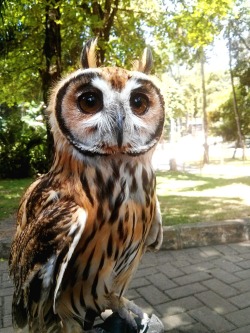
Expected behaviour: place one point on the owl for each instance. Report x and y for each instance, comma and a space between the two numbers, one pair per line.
83, 227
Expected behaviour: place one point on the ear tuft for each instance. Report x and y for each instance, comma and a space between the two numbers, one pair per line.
146, 63
88, 55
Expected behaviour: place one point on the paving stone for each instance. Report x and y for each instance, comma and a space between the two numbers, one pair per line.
170, 271
180, 263
192, 278
220, 288
243, 285
178, 306
227, 278
225, 249
7, 309
245, 329
216, 302
4, 265
212, 320
7, 330
145, 306
200, 267
220, 303
241, 301
7, 320
6, 291
244, 264
161, 281
240, 318
149, 260
145, 271
153, 295
132, 294
210, 252
234, 258
177, 320
245, 255
195, 328
244, 274
184, 291
227, 265
139, 282
242, 247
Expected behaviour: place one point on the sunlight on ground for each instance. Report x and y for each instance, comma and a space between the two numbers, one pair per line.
178, 185
239, 191
189, 198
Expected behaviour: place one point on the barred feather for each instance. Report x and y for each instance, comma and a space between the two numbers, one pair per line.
83, 227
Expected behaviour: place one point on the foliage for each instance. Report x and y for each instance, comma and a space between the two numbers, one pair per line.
238, 36
169, 28
224, 118
183, 98
22, 138
196, 23
41, 40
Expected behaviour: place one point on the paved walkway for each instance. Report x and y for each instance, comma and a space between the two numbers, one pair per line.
196, 290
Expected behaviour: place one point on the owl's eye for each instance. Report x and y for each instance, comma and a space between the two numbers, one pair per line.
90, 102
139, 103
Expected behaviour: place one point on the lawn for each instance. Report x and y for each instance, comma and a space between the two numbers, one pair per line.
184, 197
189, 198
11, 191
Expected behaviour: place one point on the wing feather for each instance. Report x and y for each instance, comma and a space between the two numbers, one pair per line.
41, 250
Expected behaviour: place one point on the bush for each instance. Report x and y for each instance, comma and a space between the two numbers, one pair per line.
22, 142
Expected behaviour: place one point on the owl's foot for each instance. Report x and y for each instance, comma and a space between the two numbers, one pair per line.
116, 324
128, 311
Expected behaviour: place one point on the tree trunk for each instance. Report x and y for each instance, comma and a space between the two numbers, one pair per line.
240, 140
204, 109
106, 14
53, 68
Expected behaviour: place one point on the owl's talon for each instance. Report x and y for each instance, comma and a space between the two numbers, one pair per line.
135, 309
125, 315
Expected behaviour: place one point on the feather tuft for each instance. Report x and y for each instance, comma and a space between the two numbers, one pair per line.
145, 64
88, 56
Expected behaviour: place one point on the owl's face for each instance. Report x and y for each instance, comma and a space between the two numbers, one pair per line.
108, 111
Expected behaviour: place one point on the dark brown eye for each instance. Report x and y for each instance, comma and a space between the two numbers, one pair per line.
90, 102
139, 103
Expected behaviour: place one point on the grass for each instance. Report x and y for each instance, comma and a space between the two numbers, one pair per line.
184, 197
189, 198
11, 191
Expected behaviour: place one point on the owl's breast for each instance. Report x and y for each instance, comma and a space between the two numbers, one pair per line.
113, 240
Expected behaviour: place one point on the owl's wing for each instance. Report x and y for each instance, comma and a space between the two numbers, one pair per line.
155, 235
41, 250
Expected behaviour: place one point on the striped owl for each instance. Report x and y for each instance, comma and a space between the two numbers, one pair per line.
83, 227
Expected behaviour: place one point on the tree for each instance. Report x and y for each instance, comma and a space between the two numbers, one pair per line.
204, 108
224, 119
197, 24
40, 40
240, 140
237, 34
22, 141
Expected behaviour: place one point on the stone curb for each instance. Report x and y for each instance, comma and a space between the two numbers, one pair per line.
187, 235
203, 234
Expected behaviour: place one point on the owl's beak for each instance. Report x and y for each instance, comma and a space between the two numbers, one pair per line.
119, 132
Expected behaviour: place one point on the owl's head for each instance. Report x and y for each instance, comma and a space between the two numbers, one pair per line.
107, 110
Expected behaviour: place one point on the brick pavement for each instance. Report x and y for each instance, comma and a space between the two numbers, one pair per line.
196, 290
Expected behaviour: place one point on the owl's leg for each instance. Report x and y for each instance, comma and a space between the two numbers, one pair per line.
126, 309
89, 319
